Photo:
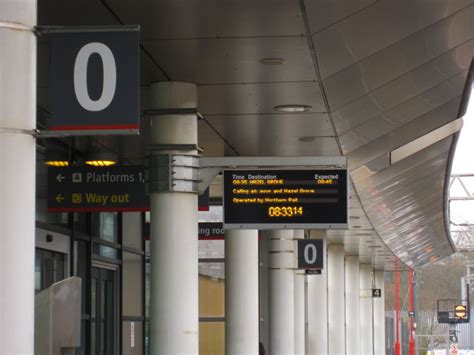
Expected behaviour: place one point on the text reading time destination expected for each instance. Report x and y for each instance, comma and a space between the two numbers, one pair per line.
302, 196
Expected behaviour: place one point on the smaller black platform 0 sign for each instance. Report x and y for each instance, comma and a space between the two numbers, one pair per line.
376, 292
90, 189
310, 254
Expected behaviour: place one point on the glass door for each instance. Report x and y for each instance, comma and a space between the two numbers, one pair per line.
103, 312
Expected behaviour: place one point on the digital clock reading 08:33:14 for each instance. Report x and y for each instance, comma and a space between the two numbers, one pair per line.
285, 211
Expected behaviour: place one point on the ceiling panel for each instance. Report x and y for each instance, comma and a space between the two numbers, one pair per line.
210, 141
162, 19
307, 124
406, 203
374, 128
74, 13
234, 60
323, 13
405, 111
251, 134
258, 98
413, 51
402, 167
404, 134
377, 27
344, 97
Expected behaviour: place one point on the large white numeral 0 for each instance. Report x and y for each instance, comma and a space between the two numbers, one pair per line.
314, 254
80, 76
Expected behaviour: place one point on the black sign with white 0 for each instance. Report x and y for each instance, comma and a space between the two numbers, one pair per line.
310, 254
279, 199
95, 81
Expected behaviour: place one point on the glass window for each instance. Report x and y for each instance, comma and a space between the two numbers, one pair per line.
82, 349
132, 273
105, 225
215, 214
58, 265
211, 305
38, 272
211, 338
105, 251
147, 248
132, 235
211, 290
81, 222
80, 268
49, 268
211, 249
132, 340
147, 337
147, 288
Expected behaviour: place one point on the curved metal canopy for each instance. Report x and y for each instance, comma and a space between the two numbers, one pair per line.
378, 75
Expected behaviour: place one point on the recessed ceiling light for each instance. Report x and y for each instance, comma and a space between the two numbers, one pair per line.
292, 108
57, 163
56, 158
101, 158
273, 61
307, 139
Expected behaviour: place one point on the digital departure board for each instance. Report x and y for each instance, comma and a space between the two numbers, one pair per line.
279, 199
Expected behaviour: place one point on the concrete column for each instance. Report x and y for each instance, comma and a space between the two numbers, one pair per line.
280, 274
317, 336
366, 321
300, 310
352, 305
281, 292
17, 175
263, 291
241, 292
379, 315
336, 303
174, 230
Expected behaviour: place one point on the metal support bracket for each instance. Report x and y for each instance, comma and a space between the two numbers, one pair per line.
31, 132
171, 172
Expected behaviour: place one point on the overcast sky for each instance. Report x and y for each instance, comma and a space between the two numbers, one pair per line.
464, 164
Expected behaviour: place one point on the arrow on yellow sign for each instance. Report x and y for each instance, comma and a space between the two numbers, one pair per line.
59, 198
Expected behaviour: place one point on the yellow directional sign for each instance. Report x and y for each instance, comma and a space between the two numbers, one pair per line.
461, 312
91, 189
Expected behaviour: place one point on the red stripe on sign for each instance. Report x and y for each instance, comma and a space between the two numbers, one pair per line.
211, 238
94, 127
203, 208
98, 209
